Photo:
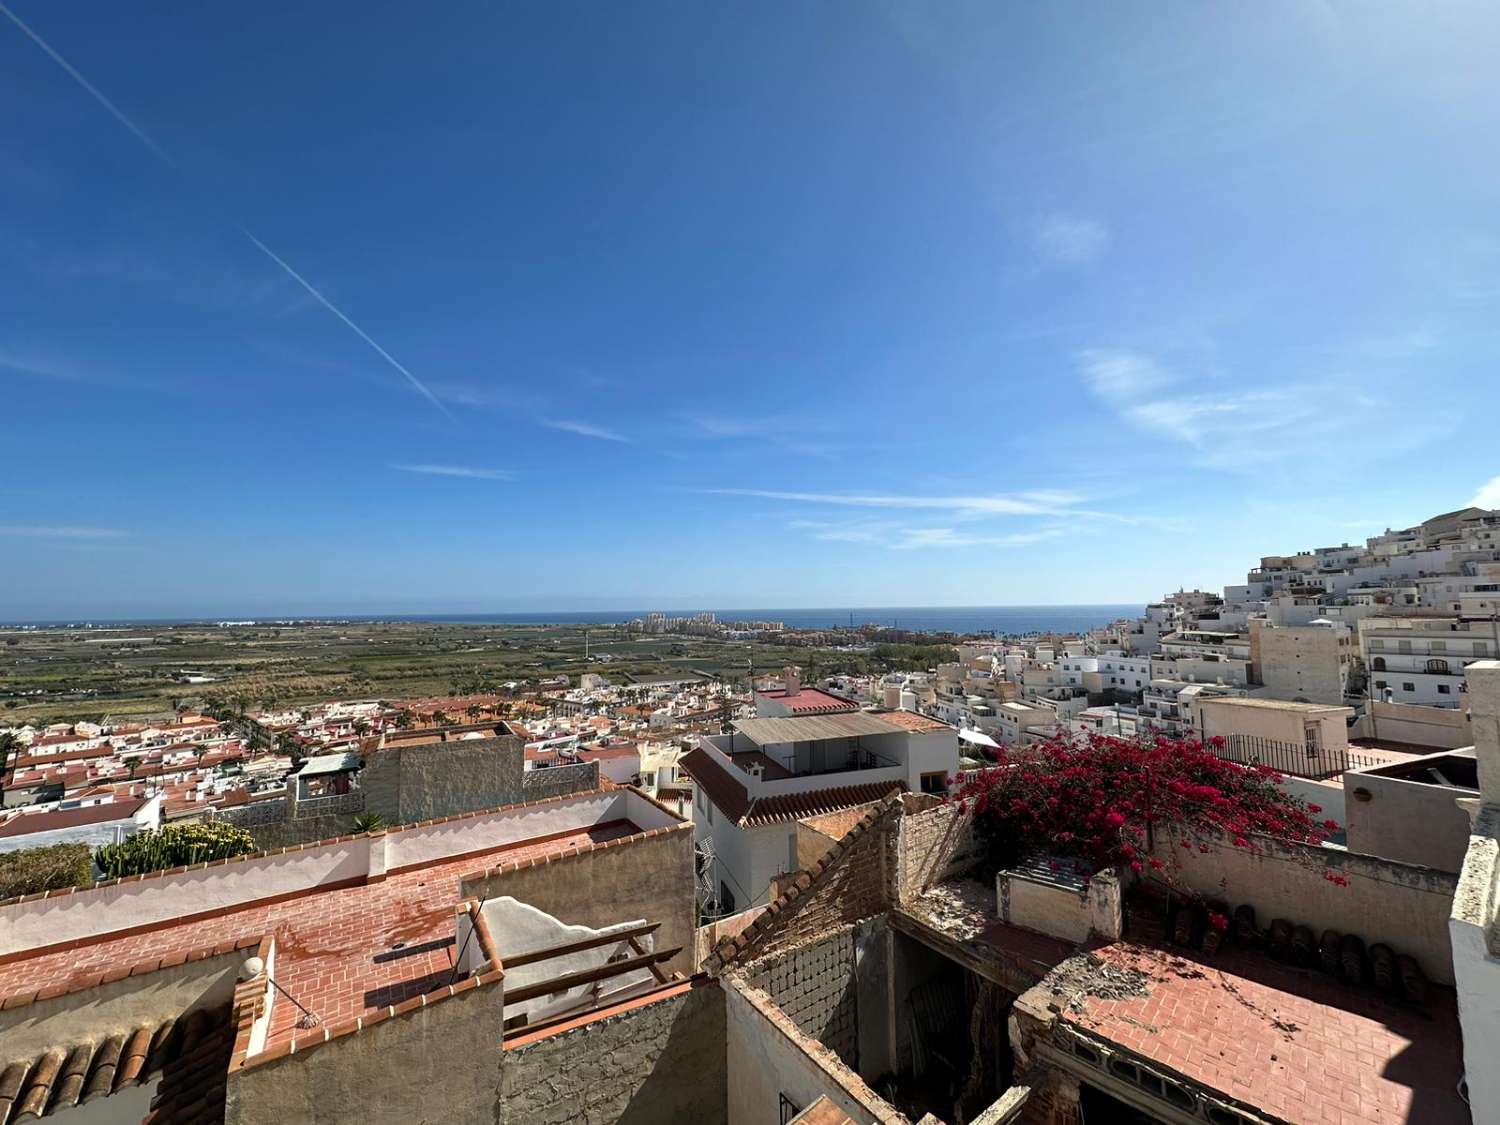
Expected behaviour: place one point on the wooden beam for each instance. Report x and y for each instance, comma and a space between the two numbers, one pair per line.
588, 976
635, 944
563, 950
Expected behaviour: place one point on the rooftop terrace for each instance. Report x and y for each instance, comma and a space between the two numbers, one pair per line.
1288, 1042
352, 937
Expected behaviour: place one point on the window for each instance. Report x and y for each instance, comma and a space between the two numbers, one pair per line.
1443, 689
1408, 687
1380, 684
726, 898
788, 1109
1378, 664
1481, 648
1437, 667
934, 782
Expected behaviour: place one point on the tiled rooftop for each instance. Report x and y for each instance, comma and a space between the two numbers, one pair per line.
341, 952
731, 798
1290, 1042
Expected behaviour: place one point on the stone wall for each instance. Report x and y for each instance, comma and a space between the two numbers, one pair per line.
657, 1064
936, 842
558, 781
254, 813
815, 985
429, 780
649, 877
405, 784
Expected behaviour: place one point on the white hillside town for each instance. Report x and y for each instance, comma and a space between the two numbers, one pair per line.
680, 897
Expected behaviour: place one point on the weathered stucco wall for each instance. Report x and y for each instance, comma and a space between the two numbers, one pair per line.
1442, 728
769, 1057
153, 997
1401, 904
658, 1064
647, 877
438, 1062
1407, 821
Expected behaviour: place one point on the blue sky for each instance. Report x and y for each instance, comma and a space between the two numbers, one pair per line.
773, 304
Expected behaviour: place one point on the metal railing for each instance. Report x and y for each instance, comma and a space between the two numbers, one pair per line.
1293, 758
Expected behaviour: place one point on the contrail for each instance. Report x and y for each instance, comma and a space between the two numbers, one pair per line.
157, 151
417, 384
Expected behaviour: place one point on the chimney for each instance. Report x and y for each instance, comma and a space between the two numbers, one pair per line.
793, 679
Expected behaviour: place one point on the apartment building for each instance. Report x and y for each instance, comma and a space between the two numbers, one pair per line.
1421, 658
754, 784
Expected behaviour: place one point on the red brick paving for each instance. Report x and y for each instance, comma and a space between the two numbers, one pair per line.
327, 943
1294, 1043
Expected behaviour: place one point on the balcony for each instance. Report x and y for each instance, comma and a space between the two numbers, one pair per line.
820, 760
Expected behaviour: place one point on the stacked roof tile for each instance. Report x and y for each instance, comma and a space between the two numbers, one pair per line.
189, 1054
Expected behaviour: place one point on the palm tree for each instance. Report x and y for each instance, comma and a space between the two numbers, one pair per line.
473, 710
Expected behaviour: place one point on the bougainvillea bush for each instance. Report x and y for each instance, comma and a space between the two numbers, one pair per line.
1130, 803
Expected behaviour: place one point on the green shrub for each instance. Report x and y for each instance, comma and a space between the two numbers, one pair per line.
52, 868
177, 845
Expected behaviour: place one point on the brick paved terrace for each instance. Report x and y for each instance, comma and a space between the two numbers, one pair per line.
341, 953
359, 923
1292, 1043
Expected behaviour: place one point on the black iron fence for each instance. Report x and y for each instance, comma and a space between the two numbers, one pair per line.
1297, 759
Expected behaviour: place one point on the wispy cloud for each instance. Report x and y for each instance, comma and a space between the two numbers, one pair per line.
807, 436
22, 531
898, 536
43, 367
584, 429
1231, 427
995, 504
1069, 240
458, 471
1401, 345
1117, 374
1488, 495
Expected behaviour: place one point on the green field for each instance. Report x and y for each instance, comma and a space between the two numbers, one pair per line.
61, 675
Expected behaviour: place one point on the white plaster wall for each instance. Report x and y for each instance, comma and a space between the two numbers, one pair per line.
928, 753
643, 813
521, 928
161, 898
1476, 970
1042, 907
1329, 796
763, 1063
1403, 905
432, 842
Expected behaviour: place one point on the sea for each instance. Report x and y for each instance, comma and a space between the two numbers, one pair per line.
998, 619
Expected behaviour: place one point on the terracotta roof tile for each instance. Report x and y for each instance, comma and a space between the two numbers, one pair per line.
731, 798
191, 1055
